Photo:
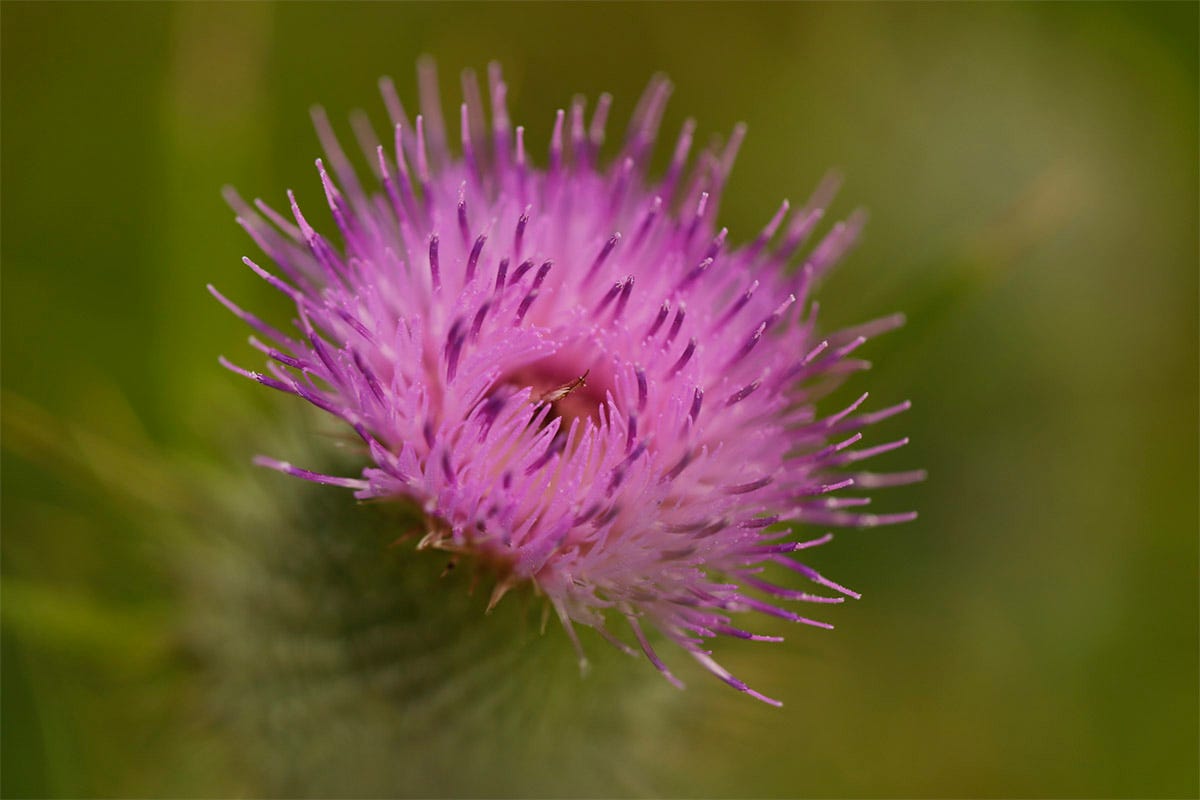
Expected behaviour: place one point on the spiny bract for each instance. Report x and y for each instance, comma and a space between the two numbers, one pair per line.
570, 371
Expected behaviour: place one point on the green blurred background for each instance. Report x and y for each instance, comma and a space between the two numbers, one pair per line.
1031, 172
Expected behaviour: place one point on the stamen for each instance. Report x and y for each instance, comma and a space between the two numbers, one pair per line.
743, 393
435, 272
683, 359
501, 271
519, 235
623, 300
648, 222
663, 311
680, 313
473, 258
602, 256
464, 227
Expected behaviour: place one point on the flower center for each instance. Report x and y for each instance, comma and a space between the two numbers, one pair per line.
571, 395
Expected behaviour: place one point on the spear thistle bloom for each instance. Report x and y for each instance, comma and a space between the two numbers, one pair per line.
570, 372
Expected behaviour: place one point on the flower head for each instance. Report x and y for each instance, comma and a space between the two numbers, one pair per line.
570, 371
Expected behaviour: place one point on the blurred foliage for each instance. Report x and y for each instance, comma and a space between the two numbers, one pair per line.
345, 664
1031, 171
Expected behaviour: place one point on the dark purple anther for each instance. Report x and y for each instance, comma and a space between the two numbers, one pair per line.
623, 300
647, 222
603, 254
521, 269
519, 234
464, 227
473, 258
663, 311
743, 393
435, 271
697, 399
694, 275
501, 271
454, 343
676, 324
609, 296
523, 309
683, 358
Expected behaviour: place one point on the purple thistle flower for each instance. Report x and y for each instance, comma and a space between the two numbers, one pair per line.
570, 372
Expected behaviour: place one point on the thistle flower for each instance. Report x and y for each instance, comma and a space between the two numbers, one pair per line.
570, 371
